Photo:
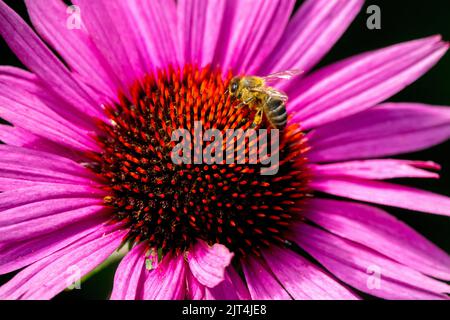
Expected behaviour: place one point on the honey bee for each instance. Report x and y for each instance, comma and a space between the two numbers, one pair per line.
253, 92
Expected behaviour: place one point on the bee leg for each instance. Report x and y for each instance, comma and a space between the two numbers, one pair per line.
258, 119
244, 103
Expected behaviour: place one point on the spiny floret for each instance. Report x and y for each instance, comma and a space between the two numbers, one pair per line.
170, 205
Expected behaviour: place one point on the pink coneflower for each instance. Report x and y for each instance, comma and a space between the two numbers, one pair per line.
86, 167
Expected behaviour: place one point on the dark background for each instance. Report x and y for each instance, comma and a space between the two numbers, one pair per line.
402, 20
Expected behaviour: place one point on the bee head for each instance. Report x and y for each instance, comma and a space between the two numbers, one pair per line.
233, 86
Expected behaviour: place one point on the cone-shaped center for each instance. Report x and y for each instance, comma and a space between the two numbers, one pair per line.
169, 195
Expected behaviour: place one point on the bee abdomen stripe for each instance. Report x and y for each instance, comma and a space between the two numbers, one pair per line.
280, 117
278, 111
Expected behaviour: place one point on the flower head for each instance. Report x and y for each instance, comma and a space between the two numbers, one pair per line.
88, 162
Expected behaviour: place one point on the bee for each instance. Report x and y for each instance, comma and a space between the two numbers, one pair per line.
253, 92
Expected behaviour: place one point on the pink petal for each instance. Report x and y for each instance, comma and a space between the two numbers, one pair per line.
167, 281
361, 82
231, 288
262, 284
42, 97
49, 276
20, 167
155, 22
16, 136
16, 255
378, 169
150, 41
247, 36
382, 232
302, 279
31, 226
45, 208
383, 193
20, 137
310, 34
24, 196
385, 130
365, 269
11, 184
129, 276
42, 160
199, 29
38, 58
50, 19
195, 290
25, 110
208, 264
14, 183
110, 26
264, 37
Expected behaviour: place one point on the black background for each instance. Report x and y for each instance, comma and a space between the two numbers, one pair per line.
402, 20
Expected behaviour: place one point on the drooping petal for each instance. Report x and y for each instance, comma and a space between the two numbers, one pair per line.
38, 58
302, 279
208, 264
167, 281
44, 208
25, 110
20, 167
20, 137
29, 195
12, 181
16, 255
42, 160
129, 277
380, 231
231, 288
195, 290
16, 136
358, 83
365, 269
310, 34
261, 284
49, 276
385, 130
378, 169
31, 226
50, 18
383, 193
247, 33
42, 97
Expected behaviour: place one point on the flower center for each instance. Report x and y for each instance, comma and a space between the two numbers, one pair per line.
172, 204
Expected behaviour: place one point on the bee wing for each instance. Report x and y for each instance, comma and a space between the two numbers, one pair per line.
282, 75
277, 94
272, 92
